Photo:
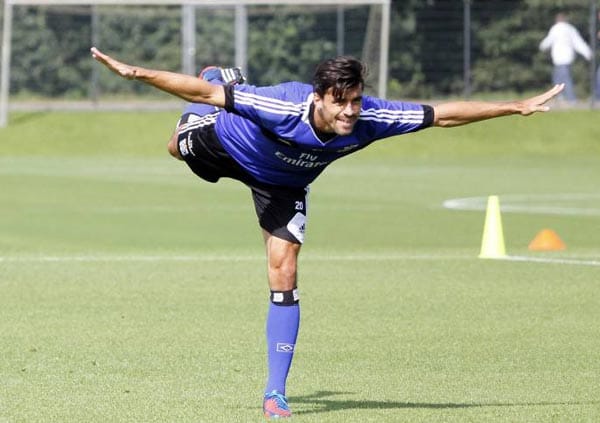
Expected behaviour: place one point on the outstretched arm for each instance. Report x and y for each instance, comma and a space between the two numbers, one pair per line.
187, 87
463, 112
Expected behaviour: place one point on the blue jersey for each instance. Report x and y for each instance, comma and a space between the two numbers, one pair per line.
267, 130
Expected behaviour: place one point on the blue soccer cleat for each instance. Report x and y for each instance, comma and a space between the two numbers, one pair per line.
275, 406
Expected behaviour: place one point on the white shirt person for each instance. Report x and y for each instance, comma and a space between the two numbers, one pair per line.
564, 42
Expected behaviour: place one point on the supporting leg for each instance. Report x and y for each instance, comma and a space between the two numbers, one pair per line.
282, 321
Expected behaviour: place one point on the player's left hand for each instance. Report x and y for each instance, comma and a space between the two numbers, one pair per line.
121, 69
538, 103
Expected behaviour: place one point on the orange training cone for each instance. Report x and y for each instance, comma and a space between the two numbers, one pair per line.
547, 240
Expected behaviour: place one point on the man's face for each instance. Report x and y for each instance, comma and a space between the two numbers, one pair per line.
338, 116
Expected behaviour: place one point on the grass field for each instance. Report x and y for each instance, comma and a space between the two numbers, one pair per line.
132, 292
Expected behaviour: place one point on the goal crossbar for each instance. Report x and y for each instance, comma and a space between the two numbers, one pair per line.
199, 2
8, 20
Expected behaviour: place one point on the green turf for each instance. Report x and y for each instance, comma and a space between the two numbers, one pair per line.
132, 292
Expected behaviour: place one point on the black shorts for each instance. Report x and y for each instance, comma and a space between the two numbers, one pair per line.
281, 210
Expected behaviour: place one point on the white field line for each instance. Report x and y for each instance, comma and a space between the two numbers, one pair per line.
510, 203
576, 262
555, 204
127, 258
226, 258
308, 257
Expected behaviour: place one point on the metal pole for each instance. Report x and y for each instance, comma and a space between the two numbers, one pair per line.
385, 47
340, 30
594, 83
188, 39
467, 48
5, 79
241, 37
94, 91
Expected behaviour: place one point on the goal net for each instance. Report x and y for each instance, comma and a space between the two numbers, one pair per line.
45, 44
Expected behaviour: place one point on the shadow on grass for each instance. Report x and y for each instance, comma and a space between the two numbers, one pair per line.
26, 117
323, 401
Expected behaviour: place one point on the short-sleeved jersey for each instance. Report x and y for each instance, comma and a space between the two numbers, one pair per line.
267, 130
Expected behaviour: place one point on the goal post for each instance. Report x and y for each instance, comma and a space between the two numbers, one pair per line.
241, 34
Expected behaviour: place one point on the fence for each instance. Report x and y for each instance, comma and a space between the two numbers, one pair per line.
486, 49
437, 49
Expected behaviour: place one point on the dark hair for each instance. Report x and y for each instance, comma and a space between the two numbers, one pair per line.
340, 73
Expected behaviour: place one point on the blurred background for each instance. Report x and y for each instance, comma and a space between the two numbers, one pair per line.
438, 49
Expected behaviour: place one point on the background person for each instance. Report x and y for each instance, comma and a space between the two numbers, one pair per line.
563, 41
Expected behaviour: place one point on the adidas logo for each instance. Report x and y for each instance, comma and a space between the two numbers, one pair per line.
285, 348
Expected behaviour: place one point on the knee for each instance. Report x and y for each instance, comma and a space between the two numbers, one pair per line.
172, 147
284, 269
282, 262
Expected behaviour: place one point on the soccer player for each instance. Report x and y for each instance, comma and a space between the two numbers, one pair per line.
277, 140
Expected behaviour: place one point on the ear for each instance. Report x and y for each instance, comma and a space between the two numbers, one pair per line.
317, 100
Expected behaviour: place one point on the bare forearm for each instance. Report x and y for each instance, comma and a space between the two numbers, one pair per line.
183, 86
463, 112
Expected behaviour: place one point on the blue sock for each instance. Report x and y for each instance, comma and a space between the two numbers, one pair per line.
282, 329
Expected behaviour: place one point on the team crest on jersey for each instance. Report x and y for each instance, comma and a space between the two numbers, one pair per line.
286, 142
347, 148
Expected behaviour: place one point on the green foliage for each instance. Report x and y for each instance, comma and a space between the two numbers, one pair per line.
47, 59
215, 33
138, 37
277, 56
506, 43
426, 58
50, 50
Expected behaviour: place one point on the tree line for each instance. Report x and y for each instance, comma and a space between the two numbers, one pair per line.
50, 45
